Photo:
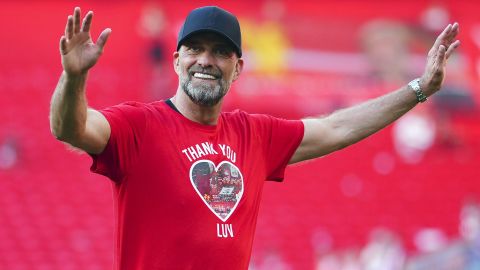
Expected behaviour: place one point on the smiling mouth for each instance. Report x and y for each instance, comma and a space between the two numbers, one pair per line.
204, 76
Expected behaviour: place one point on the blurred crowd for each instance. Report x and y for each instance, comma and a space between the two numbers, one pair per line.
385, 250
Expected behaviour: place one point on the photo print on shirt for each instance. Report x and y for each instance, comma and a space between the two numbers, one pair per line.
220, 187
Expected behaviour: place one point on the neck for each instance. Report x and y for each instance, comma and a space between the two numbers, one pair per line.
206, 115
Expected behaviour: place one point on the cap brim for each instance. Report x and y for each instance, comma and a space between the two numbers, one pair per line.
237, 49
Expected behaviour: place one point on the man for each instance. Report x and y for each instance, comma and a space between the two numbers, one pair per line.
160, 155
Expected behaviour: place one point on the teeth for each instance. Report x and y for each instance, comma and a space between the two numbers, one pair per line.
203, 76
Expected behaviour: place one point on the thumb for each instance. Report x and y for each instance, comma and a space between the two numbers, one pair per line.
102, 39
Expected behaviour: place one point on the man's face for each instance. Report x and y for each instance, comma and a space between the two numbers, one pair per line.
207, 65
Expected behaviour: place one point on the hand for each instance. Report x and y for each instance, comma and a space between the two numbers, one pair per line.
444, 46
78, 51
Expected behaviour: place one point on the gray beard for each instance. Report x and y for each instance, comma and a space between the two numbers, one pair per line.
204, 94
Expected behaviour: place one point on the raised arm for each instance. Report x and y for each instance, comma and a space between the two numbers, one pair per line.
71, 120
348, 126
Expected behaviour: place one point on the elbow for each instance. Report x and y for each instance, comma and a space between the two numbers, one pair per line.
63, 134
57, 134
59, 137
347, 138
340, 145
352, 137
56, 130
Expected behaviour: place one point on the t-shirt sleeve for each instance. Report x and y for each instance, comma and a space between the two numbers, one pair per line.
127, 123
281, 139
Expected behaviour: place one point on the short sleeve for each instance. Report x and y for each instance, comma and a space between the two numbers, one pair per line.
127, 123
281, 139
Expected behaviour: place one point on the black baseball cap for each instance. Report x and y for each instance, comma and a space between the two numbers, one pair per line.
212, 19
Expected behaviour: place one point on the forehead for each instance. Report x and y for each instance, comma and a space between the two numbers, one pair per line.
208, 38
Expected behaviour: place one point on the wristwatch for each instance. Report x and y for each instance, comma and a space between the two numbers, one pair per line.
415, 85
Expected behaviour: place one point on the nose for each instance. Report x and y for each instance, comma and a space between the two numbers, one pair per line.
205, 59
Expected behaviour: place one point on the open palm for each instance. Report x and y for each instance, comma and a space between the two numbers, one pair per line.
445, 44
78, 51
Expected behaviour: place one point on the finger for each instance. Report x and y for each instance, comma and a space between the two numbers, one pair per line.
87, 21
69, 27
76, 20
441, 55
442, 36
455, 26
102, 39
451, 36
63, 45
455, 30
452, 48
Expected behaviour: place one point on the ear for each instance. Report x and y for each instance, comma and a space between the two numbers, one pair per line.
238, 69
176, 59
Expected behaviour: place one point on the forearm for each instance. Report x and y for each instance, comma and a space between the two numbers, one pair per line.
348, 126
68, 109
358, 122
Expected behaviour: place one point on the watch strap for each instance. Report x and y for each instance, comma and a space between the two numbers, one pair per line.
415, 85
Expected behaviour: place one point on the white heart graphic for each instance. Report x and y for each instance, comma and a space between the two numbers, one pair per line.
220, 187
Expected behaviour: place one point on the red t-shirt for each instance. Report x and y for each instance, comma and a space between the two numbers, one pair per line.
187, 195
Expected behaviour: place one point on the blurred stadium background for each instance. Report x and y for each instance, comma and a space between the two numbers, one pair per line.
405, 198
